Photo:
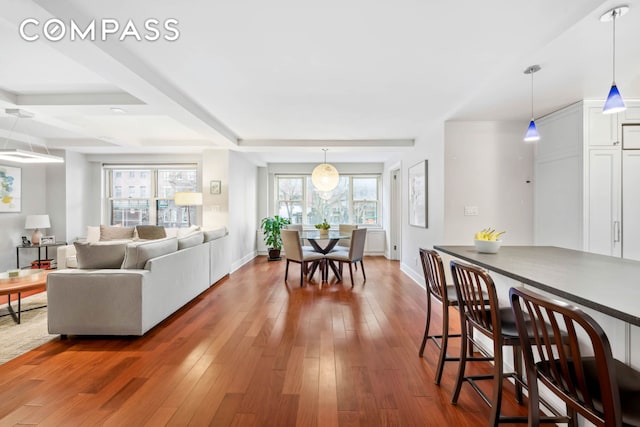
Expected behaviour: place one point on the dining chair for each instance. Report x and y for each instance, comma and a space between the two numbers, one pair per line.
294, 253
445, 294
300, 229
600, 388
480, 311
353, 255
345, 230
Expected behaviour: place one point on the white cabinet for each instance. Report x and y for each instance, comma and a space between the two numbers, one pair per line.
601, 130
584, 194
603, 204
631, 204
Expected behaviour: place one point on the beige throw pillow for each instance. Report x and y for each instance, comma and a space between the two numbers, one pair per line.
100, 254
108, 232
93, 234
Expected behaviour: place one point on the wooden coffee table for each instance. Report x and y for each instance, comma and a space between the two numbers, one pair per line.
27, 280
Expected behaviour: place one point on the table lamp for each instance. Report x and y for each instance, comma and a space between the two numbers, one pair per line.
188, 199
37, 222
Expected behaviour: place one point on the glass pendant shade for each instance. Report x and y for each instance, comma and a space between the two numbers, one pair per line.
614, 102
532, 132
325, 177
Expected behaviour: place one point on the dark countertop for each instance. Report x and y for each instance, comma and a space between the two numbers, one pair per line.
607, 284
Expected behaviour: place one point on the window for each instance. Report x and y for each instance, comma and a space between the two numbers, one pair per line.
354, 201
148, 195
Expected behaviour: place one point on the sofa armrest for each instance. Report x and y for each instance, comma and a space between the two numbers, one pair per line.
66, 256
102, 302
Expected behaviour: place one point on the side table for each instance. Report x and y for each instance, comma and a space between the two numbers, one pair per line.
46, 247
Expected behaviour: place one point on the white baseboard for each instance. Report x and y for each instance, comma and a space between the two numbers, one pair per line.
413, 274
242, 261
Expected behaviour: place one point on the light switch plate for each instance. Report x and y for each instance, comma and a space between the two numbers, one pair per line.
471, 211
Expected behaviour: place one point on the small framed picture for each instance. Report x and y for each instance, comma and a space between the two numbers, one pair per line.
47, 240
215, 187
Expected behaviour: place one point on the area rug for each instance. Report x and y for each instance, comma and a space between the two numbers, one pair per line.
32, 332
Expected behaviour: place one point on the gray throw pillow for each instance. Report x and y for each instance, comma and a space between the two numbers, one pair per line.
151, 232
100, 254
138, 253
108, 232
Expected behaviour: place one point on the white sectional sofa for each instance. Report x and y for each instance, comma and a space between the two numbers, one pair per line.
156, 278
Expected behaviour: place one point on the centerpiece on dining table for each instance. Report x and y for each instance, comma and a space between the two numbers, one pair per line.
323, 227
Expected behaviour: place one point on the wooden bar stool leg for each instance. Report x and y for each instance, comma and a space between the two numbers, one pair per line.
444, 341
426, 327
463, 360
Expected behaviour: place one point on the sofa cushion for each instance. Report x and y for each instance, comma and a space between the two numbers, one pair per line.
151, 232
210, 235
138, 253
108, 232
100, 254
193, 239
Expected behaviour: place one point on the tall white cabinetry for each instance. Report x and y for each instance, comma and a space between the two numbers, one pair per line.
584, 194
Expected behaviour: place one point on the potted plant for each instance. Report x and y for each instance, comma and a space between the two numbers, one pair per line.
324, 227
271, 227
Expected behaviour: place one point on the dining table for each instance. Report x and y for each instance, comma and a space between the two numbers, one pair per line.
325, 243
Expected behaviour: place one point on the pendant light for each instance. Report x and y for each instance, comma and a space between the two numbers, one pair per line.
532, 132
325, 177
614, 102
24, 156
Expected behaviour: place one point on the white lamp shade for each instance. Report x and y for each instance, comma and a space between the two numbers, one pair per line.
37, 221
188, 198
325, 177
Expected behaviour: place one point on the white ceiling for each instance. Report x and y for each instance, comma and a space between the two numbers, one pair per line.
285, 78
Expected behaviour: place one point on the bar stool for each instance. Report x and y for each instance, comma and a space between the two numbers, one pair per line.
473, 288
446, 295
602, 389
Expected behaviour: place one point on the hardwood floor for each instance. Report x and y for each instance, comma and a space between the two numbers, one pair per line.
254, 350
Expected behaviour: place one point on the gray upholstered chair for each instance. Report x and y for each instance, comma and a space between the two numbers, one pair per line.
298, 227
294, 253
353, 255
345, 229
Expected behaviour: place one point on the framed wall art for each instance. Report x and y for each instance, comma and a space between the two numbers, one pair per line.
215, 187
10, 189
418, 195
47, 240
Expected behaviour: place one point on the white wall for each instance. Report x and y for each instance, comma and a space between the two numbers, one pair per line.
429, 146
34, 201
81, 193
243, 204
215, 209
487, 165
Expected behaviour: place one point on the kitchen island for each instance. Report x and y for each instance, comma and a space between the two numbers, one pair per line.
608, 288
606, 284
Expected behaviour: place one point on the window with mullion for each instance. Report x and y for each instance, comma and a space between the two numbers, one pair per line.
139, 206
354, 201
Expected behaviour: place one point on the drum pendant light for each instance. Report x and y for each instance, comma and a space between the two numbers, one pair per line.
325, 177
614, 102
532, 132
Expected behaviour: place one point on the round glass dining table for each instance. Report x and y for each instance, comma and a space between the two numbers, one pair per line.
317, 241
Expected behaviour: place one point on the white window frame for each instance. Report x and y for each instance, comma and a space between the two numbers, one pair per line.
152, 196
350, 201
